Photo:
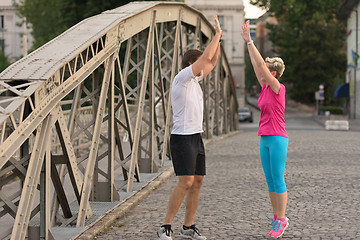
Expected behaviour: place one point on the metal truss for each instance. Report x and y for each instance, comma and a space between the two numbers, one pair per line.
84, 115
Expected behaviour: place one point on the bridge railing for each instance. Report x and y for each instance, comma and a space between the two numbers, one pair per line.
91, 108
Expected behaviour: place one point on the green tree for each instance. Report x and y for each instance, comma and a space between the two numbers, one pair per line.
4, 62
250, 77
308, 37
49, 18
45, 17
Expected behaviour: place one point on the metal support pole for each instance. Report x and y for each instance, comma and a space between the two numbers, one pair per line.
357, 49
168, 108
31, 181
89, 174
134, 152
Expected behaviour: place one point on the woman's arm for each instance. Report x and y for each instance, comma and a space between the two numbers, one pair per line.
258, 74
262, 72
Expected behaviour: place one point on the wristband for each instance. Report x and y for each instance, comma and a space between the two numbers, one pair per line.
251, 42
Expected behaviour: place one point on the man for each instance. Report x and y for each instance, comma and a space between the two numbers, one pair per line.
187, 148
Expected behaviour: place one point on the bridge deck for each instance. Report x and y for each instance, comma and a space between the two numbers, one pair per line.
43, 62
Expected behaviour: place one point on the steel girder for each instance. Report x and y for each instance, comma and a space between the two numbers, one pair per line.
85, 114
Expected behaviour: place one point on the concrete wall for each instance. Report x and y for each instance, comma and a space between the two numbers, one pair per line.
353, 75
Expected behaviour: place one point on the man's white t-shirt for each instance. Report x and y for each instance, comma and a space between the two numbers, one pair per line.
187, 103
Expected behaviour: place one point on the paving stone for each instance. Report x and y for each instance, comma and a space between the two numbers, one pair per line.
323, 181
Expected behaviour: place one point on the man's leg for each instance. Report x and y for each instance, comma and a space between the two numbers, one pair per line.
177, 196
192, 200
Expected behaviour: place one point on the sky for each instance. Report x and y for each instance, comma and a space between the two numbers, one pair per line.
251, 11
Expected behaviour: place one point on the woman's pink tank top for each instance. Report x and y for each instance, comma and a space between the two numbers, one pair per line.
272, 107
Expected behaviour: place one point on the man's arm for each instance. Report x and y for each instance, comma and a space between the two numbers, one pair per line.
209, 67
206, 61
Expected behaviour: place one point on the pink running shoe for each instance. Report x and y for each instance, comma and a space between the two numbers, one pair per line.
272, 223
279, 228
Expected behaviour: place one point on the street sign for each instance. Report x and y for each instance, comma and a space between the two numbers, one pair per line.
319, 95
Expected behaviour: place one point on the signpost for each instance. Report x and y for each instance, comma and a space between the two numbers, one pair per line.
319, 96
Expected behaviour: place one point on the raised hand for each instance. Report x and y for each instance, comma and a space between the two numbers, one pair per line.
246, 32
217, 26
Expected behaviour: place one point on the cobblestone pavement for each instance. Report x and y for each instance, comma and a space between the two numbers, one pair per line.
322, 176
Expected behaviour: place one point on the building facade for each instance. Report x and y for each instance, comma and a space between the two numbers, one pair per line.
231, 17
263, 43
252, 25
14, 38
350, 11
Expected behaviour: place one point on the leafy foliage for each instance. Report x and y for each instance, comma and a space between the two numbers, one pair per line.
309, 38
250, 77
45, 17
4, 62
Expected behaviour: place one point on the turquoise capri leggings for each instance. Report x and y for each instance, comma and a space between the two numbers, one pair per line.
273, 151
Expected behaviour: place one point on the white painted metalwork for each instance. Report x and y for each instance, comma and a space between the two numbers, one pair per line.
92, 107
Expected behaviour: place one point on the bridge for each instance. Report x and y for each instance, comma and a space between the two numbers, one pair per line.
86, 117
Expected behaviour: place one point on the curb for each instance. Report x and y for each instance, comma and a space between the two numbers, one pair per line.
319, 121
108, 219
120, 210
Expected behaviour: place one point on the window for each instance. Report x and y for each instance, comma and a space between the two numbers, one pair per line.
2, 24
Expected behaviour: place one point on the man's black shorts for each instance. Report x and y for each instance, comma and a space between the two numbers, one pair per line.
188, 154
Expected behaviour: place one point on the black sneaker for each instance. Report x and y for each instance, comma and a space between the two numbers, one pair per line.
164, 233
191, 233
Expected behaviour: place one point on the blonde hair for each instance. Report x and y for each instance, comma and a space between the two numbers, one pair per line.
276, 64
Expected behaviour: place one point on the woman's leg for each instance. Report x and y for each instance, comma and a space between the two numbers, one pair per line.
278, 202
265, 161
274, 202
278, 153
281, 201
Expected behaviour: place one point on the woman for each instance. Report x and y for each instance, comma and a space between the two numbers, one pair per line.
274, 139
